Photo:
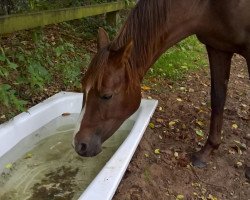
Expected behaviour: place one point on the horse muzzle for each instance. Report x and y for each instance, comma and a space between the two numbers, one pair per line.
88, 148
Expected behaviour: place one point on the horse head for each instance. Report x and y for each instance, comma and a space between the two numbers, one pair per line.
112, 93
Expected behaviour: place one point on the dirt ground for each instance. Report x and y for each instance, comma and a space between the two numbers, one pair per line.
160, 168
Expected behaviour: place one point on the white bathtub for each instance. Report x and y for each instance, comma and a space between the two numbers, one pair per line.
106, 182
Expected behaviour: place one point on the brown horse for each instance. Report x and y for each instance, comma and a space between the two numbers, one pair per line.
111, 85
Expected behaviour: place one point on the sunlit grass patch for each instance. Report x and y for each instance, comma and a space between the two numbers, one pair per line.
187, 55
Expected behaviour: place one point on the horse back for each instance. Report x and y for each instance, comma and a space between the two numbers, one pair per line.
225, 25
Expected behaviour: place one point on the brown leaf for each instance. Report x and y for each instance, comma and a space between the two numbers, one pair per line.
159, 120
65, 114
145, 88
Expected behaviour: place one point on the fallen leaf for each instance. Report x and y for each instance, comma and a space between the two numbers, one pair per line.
3, 117
200, 123
8, 166
65, 114
240, 76
159, 120
234, 126
202, 197
157, 151
160, 137
189, 166
203, 190
146, 155
244, 105
144, 87
179, 99
176, 154
239, 164
191, 90
211, 197
199, 132
151, 125
240, 145
201, 111
28, 155
239, 151
196, 184
172, 123
179, 197
160, 109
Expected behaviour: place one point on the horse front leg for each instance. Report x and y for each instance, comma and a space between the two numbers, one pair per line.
220, 63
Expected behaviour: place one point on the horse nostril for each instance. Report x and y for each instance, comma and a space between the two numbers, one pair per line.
83, 147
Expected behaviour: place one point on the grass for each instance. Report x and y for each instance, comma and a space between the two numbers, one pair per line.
187, 55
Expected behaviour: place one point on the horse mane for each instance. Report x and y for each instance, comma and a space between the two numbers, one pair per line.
96, 69
147, 21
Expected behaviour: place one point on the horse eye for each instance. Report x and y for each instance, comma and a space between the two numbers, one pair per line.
106, 96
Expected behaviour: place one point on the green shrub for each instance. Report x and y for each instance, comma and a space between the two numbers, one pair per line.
30, 67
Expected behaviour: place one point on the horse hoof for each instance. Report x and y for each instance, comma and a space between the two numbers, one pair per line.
247, 173
197, 162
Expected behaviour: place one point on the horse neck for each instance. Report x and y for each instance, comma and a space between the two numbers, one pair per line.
155, 26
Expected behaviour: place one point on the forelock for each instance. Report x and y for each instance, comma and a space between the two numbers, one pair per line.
94, 74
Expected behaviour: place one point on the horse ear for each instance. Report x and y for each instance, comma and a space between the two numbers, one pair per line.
103, 38
126, 50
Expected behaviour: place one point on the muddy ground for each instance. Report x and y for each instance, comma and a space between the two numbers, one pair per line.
160, 168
